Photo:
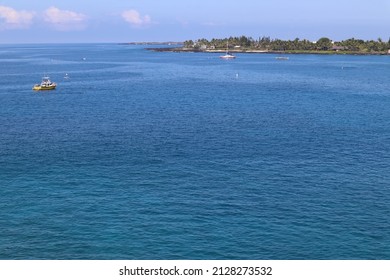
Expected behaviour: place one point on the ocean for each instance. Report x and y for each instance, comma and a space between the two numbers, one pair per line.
149, 155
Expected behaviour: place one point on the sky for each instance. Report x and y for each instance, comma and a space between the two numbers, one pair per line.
121, 21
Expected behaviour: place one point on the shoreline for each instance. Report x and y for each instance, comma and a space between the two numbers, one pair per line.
252, 51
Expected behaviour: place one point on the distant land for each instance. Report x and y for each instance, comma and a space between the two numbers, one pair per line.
245, 44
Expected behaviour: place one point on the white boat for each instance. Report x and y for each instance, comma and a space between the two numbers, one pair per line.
228, 55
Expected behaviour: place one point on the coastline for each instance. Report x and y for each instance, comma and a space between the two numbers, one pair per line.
255, 51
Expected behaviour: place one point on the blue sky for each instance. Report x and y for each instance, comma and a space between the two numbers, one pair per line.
28, 21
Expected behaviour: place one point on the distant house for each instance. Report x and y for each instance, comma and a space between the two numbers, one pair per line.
388, 52
338, 48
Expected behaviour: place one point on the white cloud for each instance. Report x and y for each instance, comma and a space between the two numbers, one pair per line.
134, 18
64, 20
13, 19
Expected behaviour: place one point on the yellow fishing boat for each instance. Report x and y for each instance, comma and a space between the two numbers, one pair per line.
46, 84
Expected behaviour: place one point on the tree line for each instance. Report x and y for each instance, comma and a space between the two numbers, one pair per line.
266, 43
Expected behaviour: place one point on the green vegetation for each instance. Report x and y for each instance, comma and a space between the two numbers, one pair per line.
323, 45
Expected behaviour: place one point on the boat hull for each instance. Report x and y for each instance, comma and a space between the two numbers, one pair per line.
227, 57
39, 87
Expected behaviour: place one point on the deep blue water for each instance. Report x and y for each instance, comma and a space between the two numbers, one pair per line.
145, 155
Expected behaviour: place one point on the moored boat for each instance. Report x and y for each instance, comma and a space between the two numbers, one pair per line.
46, 84
228, 55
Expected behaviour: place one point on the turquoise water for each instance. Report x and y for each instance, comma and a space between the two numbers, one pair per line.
144, 155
